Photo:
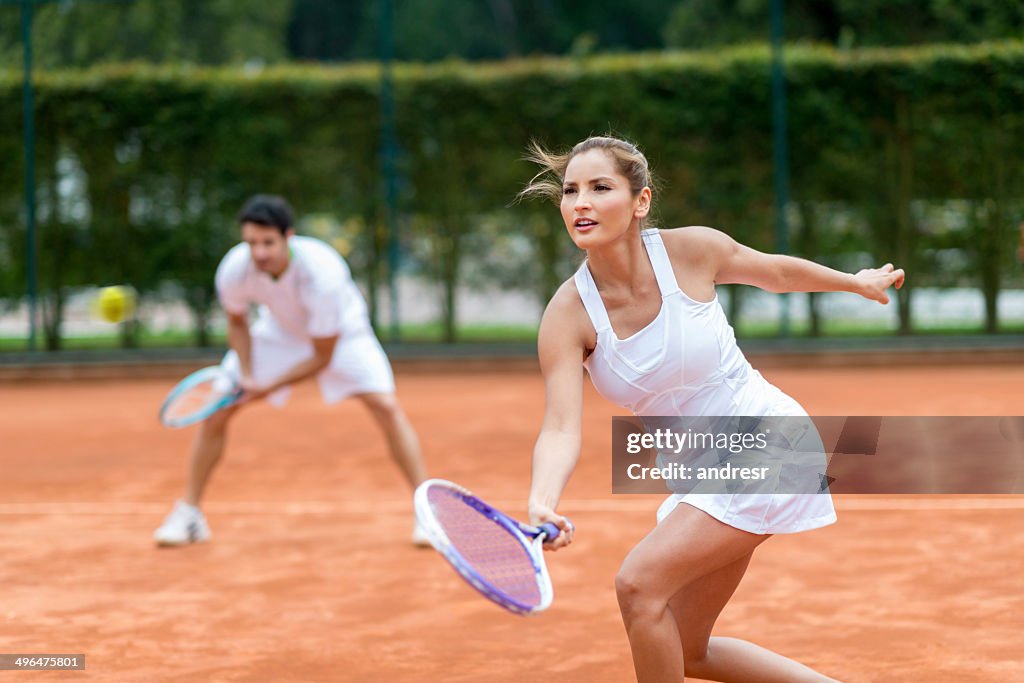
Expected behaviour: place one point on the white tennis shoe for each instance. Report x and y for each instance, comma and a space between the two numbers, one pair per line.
185, 524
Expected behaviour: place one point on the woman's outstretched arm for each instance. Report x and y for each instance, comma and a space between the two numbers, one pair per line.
735, 263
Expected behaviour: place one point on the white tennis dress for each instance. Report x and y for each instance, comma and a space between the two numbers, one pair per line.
686, 363
315, 297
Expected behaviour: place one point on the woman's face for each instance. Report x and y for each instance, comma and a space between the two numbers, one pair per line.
598, 205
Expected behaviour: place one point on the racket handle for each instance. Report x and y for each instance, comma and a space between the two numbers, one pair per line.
551, 532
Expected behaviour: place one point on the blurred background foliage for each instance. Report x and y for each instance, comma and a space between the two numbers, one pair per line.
76, 33
156, 118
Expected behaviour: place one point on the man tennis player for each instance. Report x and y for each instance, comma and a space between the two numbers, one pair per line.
312, 321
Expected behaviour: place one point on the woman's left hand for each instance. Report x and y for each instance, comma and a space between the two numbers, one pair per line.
872, 283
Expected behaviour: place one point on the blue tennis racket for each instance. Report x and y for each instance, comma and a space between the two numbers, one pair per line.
496, 554
199, 396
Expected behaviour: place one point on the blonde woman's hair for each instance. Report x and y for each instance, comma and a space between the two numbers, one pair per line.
629, 160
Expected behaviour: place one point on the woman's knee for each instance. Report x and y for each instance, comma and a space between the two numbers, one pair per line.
636, 599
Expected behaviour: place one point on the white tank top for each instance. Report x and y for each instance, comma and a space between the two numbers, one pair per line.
685, 362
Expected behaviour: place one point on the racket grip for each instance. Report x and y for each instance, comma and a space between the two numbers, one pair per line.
551, 532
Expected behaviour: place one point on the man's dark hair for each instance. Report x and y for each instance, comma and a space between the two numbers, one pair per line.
269, 210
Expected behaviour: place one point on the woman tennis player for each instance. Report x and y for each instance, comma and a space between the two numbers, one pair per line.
641, 315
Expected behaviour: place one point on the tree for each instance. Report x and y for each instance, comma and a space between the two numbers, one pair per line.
78, 33
707, 23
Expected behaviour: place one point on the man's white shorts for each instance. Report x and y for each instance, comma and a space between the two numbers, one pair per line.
358, 365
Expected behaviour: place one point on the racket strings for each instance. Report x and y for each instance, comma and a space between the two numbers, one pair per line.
493, 552
195, 399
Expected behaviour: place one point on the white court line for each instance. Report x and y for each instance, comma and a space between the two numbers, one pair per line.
1006, 502
369, 507
845, 502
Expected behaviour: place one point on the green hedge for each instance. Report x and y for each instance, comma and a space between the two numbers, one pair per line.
909, 155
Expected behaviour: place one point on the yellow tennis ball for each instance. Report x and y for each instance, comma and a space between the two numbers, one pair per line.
116, 304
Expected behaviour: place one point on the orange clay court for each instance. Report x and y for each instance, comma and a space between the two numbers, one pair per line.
311, 577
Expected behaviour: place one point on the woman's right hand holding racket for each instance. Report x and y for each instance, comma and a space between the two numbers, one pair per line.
542, 514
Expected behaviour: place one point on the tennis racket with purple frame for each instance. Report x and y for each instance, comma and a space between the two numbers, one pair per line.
496, 554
